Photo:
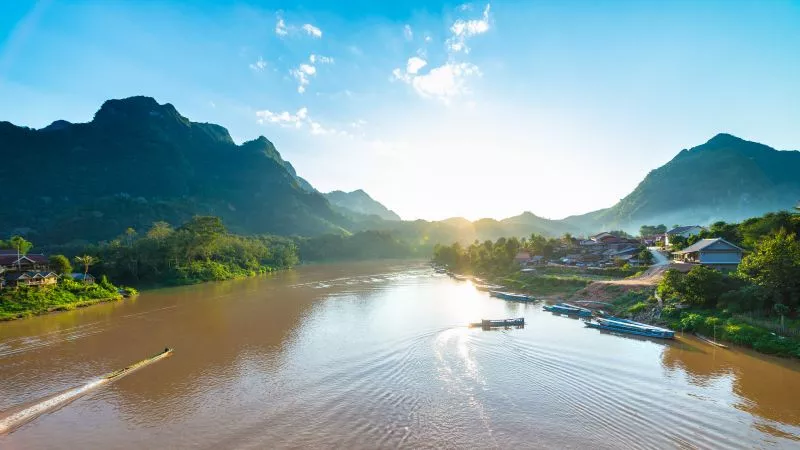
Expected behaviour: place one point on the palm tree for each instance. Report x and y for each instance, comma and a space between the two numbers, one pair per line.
86, 261
22, 246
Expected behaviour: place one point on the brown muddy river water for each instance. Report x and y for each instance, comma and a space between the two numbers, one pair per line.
374, 355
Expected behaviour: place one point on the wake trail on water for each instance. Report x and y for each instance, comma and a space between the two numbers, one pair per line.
11, 421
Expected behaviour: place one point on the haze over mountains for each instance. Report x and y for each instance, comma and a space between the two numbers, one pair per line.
727, 178
360, 202
138, 162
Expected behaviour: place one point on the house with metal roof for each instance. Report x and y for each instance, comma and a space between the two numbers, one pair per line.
31, 278
685, 231
11, 261
716, 253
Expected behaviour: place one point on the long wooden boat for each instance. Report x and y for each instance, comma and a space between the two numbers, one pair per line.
488, 287
495, 323
511, 296
631, 327
124, 371
566, 308
710, 341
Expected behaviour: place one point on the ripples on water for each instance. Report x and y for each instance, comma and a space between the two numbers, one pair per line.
378, 355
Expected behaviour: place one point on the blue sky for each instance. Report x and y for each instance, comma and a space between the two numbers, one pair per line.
482, 109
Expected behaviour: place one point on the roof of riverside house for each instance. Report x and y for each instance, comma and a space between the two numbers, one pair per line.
703, 243
629, 250
7, 259
79, 276
22, 275
679, 230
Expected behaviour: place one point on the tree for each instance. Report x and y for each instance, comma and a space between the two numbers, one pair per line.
22, 246
775, 265
160, 231
86, 261
130, 235
701, 286
60, 264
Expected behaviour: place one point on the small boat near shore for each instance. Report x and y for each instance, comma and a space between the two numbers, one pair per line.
566, 308
710, 341
488, 287
511, 296
497, 323
631, 327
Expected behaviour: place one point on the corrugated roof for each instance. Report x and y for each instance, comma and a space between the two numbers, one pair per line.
703, 243
679, 230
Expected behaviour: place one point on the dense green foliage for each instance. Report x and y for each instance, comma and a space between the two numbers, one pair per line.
726, 178
60, 264
200, 250
721, 326
769, 274
747, 233
652, 230
766, 285
362, 245
480, 258
67, 294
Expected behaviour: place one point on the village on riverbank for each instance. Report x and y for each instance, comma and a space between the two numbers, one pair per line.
738, 283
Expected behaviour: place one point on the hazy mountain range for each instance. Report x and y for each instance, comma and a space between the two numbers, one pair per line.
139, 161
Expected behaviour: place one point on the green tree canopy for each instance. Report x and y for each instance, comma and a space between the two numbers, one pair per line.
19, 244
775, 265
60, 264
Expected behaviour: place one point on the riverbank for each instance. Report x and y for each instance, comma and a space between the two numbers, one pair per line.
640, 304
29, 301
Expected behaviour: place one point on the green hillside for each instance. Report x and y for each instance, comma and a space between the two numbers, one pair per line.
138, 162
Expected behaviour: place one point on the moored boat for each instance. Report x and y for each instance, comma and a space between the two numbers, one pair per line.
511, 296
488, 287
494, 323
631, 327
566, 308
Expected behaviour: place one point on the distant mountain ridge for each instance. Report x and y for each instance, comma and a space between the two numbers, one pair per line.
727, 178
360, 202
139, 161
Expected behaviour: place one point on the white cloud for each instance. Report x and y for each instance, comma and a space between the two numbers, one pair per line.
463, 29
312, 30
280, 27
284, 119
300, 120
304, 72
446, 81
408, 33
320, 59
259, 65
449, 80
414, 64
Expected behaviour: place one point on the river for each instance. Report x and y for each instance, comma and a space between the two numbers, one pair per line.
375, 355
